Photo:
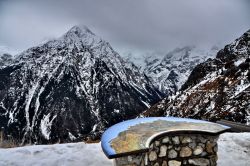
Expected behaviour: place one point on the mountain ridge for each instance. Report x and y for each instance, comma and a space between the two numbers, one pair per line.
169, 71
216, 89
69, 89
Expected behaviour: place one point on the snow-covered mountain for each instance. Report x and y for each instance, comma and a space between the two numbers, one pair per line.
219, 88
6, 56
170, 71
5, 60
70, 88
143, 60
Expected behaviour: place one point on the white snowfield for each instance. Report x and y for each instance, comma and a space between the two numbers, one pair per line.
234, 150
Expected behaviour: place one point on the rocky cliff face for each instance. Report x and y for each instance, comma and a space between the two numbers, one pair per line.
216, 89
70, 88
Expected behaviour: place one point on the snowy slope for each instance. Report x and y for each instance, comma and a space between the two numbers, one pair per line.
72, 154
171, 72
234, 150
70, 88
143, 60
216, 89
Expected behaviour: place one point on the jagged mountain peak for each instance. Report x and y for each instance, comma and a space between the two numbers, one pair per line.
77, 39
173, 69
69, 88
79, 31
81, 28
80, 35
236, 50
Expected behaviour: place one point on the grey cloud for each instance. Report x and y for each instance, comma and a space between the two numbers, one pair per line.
127, 24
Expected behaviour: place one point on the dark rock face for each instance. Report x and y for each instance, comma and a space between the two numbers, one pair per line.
200, 71
216, 89
69, 89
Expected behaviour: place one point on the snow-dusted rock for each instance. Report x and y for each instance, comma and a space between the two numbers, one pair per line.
70, 88
170, 72
216, 89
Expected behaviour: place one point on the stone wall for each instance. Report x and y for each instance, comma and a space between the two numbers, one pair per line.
176, 150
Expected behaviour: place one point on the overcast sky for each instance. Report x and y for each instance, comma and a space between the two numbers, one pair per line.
136, 25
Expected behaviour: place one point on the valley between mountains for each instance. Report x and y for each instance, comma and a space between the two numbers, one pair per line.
73, 88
